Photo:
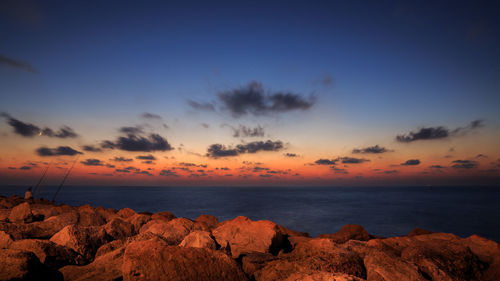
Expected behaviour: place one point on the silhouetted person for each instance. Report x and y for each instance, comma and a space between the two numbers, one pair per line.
28, 195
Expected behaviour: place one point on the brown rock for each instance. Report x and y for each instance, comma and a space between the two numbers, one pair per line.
21, 213
348, 232
385, 266
321, 276
126, 213
488, 252
199, 239
24, 265
109, 247
314, 255
443, 259
88, 216
4, 214
173, 231
5, 240
108, 214
104, 268
52, 255
154, 260
83, 240
119, 229
167, 216
253, 262
245, 235
138, 220
208, 222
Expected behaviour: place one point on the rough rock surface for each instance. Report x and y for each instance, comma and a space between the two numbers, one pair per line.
245, 236
104, 268
199, 239
174, 230
83, 240
348, 232
155, 260
24, 265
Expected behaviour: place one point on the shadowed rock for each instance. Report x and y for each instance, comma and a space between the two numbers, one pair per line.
21, 213
419, 231
138, 220
348, 232
83, 240
167, 216
155, 260
52, 255
87, 216
104, 268
119, 229
23, 265
126, 213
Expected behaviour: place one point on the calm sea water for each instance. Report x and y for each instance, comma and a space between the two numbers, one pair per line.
385, 211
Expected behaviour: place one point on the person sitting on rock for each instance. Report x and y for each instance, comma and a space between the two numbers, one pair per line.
28, 195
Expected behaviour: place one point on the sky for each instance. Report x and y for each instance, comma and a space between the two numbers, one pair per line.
250, 93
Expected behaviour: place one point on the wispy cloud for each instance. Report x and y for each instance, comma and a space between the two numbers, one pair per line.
18, 64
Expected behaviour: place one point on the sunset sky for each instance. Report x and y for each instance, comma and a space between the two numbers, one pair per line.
209, 93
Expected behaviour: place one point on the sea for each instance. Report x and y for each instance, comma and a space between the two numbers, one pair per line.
383, 211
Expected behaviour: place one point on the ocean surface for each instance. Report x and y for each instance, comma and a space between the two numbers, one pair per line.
384, 211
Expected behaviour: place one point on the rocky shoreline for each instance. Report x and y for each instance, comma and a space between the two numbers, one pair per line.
43, 241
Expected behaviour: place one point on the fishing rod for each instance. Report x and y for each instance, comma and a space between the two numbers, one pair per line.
41, 179
64, 179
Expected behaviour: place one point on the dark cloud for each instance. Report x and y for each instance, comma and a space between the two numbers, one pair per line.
148, 115
244, 131
291, 155
371, 149
464, 164
122, 159
122, 171
168, 173
10, 62
30, 130
135, 142
481, 156
91, 148
110, 166
326, 80
429, 133
201, 106
131, 130
391, 172
252, 99
59, 151
12, 168
339, 171
186, 164
411, 162
92, 162
25, 168
219, 150
433, 133
143, 173
149, 162
351, 160
146, 157
436, 167
326, 162
205, 125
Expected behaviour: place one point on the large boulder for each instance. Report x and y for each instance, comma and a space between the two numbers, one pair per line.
488, 252
245, 236
109, 247
173, 231
348, 232
208, 222
138, 220
126, 213
155, 260
119, 229
83, 240
21, 213
167, 216
24, 265
199, 239
106, 267
52, 255
88, 216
